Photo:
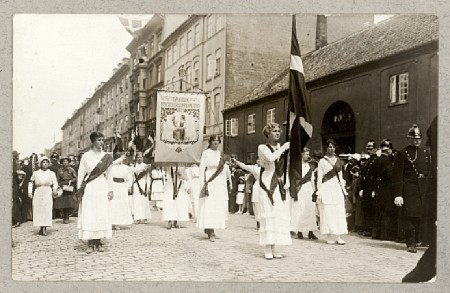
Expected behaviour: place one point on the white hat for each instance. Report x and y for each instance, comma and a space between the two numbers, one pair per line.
43, 158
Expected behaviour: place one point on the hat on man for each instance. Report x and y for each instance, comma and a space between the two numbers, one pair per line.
357, 157
54, 156
371, 145
414, 132
386, 144
64, 158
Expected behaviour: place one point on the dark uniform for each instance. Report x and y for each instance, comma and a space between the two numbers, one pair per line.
412, 167
368, 204
54, 166
384, 200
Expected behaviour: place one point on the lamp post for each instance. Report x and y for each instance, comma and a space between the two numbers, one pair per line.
181, 74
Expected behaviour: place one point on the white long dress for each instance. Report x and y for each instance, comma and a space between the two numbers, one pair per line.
303, 211
157, 185
175, 209
212, 211
120, 204
45, 182
193, 175
332, 204
274, 219
141, 203
94, 213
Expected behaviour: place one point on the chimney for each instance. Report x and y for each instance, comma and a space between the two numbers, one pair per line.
321, 31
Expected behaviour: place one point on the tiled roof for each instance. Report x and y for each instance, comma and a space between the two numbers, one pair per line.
392, 36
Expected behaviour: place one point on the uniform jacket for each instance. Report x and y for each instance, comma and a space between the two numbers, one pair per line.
367, 178
382, 172
410, 179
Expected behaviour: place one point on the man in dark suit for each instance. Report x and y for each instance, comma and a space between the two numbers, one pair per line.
368, 189
412, 167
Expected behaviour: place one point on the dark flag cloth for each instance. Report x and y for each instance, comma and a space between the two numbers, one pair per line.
118, 144
299, 117
135, 144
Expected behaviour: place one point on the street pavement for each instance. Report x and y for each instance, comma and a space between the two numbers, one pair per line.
153, 253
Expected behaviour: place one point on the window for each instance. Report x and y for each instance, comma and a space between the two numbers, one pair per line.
210, 66
169, 57
182, 46
271, 115
190, 45
217, 69
175, 52
158, 42
210, 26
219, 22
150, 77
196, 72
126, 84
208, 112
126, 118
188, 74
99, 103
216, 112
228, 127
251, 158
144, 83
197, 34
234, 127
150, 47
121, 102
159, 73
399, 88
251, 124
126, 98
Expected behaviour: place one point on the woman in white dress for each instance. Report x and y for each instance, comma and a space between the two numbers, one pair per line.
94, 214
303, 209
157, 187
330, 196
141, 187
194, 183
121, 177
46, 186
212, 212
175, 206
274, 208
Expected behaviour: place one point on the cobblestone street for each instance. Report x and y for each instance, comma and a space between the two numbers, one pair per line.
151, 252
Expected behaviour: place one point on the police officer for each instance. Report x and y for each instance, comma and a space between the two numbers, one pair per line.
384, 202
368, 189
410, 184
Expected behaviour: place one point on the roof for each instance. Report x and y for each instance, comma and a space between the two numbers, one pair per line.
390, 37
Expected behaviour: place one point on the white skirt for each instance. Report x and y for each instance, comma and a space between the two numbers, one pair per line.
303, 211
176, 210
332, 219
94, 213
42, 206
240, 198
157, 190
120, 205
141, 205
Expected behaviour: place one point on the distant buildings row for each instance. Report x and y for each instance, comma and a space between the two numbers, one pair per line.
352, 67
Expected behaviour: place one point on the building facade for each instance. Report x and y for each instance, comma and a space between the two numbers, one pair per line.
370, 85
105, 110
147, 69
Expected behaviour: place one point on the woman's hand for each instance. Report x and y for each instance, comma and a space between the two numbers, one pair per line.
110, 195
30, 195
55, 192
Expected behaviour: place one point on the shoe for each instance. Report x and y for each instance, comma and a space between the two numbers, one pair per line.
268, 252
257, 225
169, 225
340, 242
40, 232
44, 232
275, 253
299, 235
66, 221
292, 233
247, 214
411, 249
175, 224
279, 256
211, 237
90, 249
331, 242
100, 248
312, 236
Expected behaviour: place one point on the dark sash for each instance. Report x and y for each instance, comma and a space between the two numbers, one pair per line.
139, 177
98, 170
205, 192
277, 179
307, 177
175, 193
336, 168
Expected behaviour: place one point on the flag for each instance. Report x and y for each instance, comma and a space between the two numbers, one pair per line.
132, 25
137, 139
299, 117
118, 144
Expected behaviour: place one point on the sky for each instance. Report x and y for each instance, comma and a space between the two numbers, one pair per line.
58, 61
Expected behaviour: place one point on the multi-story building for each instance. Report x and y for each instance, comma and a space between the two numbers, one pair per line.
147, 69
373, 84
103, 111
227, 56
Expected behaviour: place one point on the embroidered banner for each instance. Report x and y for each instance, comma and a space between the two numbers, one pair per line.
179, 127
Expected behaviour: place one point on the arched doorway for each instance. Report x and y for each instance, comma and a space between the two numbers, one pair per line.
339, 124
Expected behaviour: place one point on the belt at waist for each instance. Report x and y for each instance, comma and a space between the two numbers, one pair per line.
156, 178
119, 180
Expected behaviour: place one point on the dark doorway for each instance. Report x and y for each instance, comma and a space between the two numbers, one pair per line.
339, 124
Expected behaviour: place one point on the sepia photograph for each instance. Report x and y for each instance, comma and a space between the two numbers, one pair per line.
225, 147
